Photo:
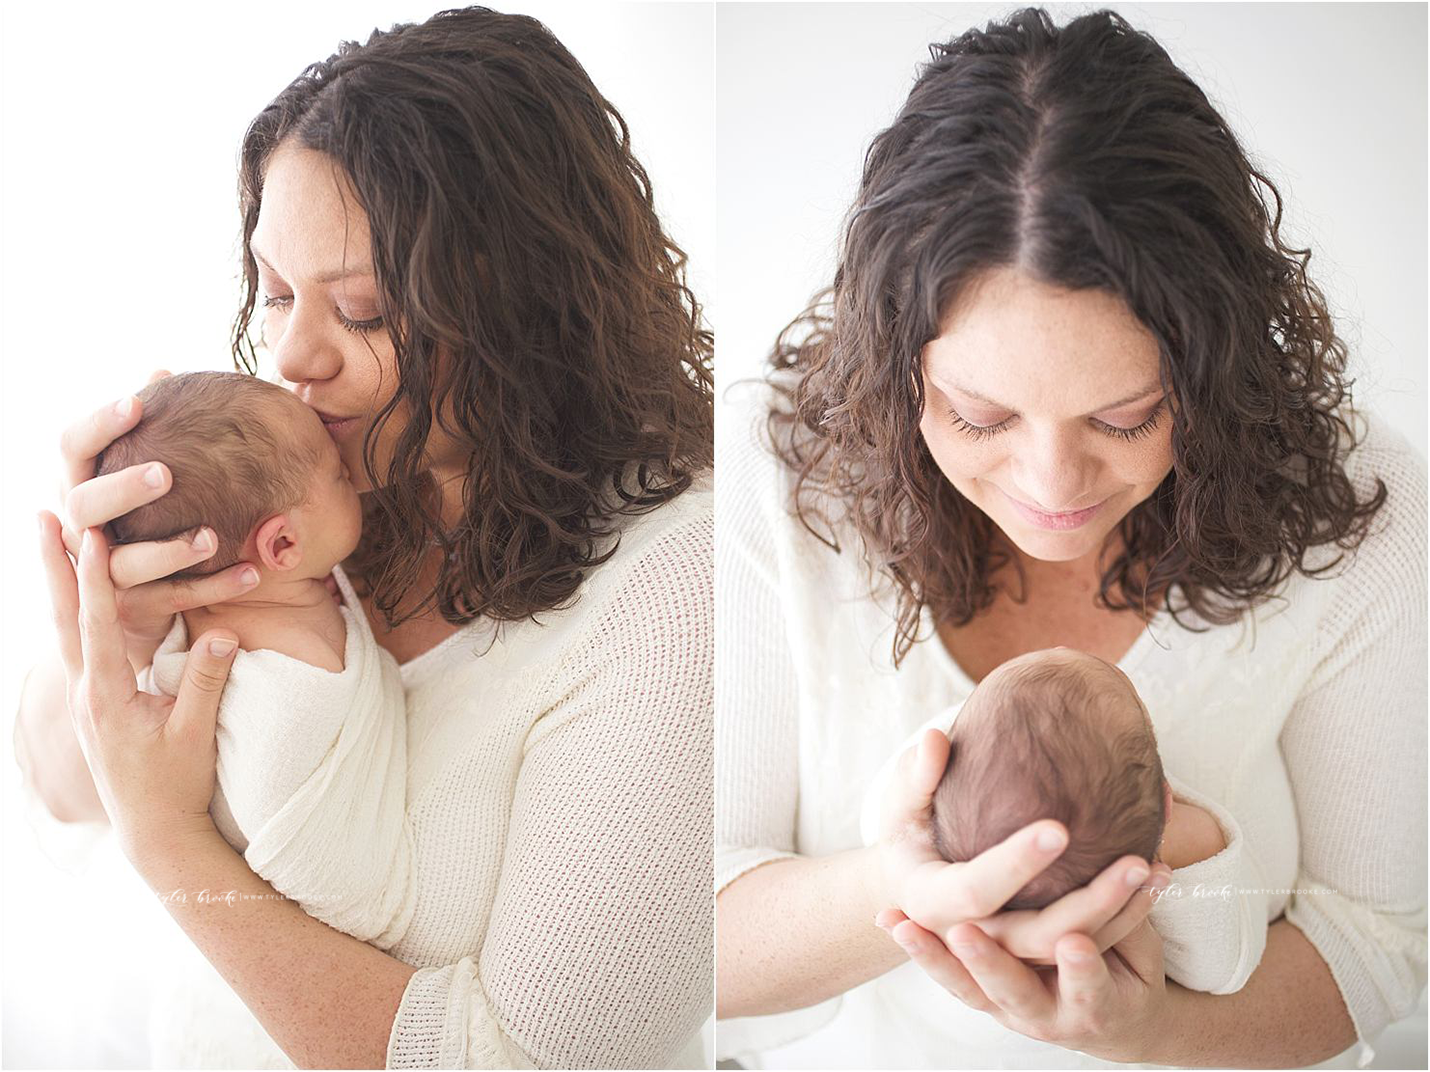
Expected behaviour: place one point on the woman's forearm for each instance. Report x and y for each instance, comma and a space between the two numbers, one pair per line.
47, 750
327, 999
795, 932
1289, 1014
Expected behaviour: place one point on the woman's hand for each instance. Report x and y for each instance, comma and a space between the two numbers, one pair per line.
1110, 1005
153, 757
146, 604
941, 897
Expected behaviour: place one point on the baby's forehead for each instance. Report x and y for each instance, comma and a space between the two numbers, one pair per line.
287, 412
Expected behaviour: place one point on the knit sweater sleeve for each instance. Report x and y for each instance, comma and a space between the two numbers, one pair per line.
756, 695
1355, 750
599, 948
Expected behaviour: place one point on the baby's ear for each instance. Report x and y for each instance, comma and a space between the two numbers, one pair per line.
277, 540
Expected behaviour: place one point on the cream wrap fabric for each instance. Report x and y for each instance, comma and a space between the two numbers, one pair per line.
1212, 918
312, 776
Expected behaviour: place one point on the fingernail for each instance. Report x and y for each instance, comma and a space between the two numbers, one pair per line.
154, 476
203, 542
124, 407
1136, 876
221, 647
1076, 956
1048, 840
249, 577
1162, 881
40, 523
965, 952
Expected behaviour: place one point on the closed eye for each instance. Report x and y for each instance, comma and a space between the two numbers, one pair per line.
988, 431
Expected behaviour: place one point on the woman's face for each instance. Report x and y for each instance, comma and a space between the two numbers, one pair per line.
321, 321
1043, 408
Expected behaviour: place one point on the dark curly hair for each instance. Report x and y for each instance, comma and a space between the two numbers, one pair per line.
1084, 157
514, 230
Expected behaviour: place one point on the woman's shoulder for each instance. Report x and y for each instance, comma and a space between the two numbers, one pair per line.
1383, 456
1381, 577
664, 552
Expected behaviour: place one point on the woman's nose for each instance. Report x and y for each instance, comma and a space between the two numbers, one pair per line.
1055, 474
307, 349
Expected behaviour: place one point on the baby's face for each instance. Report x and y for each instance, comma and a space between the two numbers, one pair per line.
330, 521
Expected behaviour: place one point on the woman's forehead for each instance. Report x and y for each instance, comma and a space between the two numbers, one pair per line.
310, 223
1014, 341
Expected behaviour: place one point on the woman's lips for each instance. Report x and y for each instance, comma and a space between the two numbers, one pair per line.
1057, 522
334, 424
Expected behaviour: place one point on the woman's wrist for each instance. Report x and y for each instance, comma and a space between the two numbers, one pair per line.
158, 850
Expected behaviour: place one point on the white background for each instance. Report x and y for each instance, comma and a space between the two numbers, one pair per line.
119, 227
1329, 98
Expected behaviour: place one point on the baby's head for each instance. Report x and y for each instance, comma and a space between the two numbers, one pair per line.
248, 460
1059, 735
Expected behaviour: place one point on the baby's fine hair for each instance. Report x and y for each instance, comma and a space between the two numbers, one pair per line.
1045, 755
232, 464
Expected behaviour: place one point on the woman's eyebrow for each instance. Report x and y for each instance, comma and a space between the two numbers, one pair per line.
323, 277
1100, 409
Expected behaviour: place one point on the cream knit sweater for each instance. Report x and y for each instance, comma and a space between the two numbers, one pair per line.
559, 796
1306, 722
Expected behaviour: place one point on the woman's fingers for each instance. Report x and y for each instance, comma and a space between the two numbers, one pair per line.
159, 374
106, 664
919, 771
986, 883
206, 668
83, 440
930, 954
100, 500
1090, 908
163, 599
1006, 981
64, 594
131, 565
1083, 979
1135, 912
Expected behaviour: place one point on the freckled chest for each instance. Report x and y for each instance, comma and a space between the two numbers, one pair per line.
1061, 616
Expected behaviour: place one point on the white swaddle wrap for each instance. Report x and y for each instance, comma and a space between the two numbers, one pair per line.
312, 776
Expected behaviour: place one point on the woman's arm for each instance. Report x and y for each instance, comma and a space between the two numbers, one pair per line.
327, 999
1289, 1014
795, 932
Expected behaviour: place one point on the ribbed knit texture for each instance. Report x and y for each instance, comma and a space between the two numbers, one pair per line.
559, 798
1305, 721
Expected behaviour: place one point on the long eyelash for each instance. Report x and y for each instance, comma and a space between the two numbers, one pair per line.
361, 327
977, 431
987, 431
355, 326
1142, 431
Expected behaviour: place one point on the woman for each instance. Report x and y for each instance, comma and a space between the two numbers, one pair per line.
1069, 387
461, 271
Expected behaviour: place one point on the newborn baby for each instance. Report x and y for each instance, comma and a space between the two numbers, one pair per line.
1062, 735
252, 462
311, 729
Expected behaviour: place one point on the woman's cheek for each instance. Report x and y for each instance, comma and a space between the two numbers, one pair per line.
959, 458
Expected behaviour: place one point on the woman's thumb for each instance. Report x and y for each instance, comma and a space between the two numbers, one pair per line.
205, 673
